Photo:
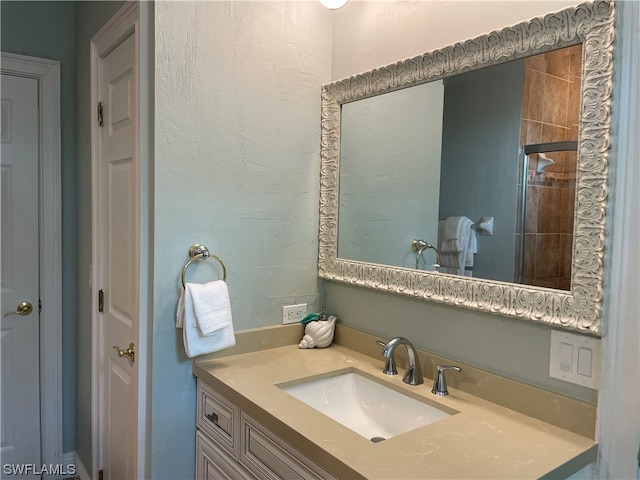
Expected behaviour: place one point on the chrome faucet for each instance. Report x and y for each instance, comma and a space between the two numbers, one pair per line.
413, 374
439, 382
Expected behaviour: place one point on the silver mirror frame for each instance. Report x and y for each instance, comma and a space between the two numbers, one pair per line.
580, 308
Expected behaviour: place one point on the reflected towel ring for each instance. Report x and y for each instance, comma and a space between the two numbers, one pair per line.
201, 253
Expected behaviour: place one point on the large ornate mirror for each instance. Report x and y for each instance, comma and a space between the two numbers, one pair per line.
506, 135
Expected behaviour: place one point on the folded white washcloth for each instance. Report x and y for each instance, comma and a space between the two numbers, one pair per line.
211, 306
215, 318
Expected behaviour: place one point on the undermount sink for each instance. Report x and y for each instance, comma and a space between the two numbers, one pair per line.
367, 407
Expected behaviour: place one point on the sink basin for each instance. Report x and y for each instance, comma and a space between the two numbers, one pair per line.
367, 407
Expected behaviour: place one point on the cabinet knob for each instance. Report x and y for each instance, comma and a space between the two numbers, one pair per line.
212, 417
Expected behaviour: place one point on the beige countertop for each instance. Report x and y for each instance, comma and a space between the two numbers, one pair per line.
482, 440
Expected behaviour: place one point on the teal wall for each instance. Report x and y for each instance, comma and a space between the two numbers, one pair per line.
47, 30
237, 143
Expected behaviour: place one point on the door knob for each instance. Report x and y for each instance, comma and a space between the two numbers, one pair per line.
23, 308
129, 352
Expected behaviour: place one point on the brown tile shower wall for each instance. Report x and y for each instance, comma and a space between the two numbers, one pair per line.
550, 113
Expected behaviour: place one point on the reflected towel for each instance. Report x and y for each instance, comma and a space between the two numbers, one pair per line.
457, 243
455, 235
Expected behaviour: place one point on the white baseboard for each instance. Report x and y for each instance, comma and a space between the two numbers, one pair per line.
72, 458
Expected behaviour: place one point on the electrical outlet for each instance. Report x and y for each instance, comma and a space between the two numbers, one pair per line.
293, 313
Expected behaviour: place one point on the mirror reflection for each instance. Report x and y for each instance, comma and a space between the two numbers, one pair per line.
428, 162
390, 156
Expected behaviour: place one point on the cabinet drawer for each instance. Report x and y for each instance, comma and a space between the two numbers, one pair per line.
214, 464
218, 417
269, 457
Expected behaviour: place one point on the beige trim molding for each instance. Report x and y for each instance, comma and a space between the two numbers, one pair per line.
578, 309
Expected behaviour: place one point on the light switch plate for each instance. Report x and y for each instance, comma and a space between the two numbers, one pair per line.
575, 358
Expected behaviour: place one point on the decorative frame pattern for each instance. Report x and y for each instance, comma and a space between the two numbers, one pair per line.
580, 308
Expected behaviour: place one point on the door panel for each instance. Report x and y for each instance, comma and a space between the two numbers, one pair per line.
121, 442
121, 198
118, 210
19, 205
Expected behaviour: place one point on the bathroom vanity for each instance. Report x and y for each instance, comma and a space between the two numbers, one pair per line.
232, 444
250, 427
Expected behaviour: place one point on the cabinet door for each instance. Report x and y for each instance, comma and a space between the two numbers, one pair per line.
218, 417
270, 458
212, 463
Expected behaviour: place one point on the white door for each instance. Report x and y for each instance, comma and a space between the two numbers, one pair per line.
118, 253
20, 389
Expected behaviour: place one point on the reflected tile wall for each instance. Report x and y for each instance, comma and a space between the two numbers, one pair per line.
550, 113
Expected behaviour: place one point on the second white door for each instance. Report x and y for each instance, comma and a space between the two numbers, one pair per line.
20, 363
118, 253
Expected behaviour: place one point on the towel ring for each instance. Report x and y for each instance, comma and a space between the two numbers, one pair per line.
201, 253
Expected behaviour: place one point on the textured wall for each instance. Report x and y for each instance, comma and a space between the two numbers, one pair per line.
368, 34
237, 125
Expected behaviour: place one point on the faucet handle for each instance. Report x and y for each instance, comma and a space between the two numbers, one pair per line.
439, 382
390, 362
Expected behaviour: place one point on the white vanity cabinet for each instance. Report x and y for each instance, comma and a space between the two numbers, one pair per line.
232, 445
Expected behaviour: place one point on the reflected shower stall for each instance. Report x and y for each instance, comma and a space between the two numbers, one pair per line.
545, 215
548, 168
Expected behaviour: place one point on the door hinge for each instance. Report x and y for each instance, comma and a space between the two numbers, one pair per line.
39, 305
101, 301
100, 114
100, 474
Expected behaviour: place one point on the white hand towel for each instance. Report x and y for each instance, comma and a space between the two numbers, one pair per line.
180, 310
217, 316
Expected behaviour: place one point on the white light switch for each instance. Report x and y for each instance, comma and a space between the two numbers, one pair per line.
584, 361
566, 356
575, 358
